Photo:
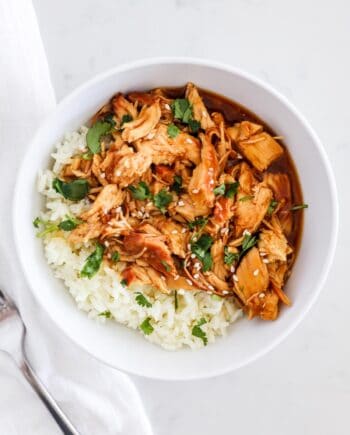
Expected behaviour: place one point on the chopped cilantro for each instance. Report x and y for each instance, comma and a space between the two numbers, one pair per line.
198, 332
198, 222
162, 199
179, 107
219, 190
231, 189
230, 257
142, 300
69, 224
194, 126
74, 190
124, 282
93, 262
298, 207
87, 156
36, 222
48, 227
115, 256
201, 249
125, 118
107, 314
177, 184
248, 242
140, 192
146, 326
167, 267
95, 134
173, 131
272, 206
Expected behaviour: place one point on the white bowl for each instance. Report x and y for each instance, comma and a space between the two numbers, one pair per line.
246, 340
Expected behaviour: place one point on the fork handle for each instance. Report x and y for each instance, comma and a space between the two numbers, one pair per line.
61, 419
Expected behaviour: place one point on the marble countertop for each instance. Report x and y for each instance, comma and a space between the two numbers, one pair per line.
301, 48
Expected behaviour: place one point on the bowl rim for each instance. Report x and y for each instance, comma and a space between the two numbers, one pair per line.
207, 63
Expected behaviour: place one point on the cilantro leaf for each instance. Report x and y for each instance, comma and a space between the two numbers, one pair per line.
140, 192
246, 198
179, 107
74, 190
142, 300
298, 207
172, 130
107, 314
93, 262
248, 242
69, 224
87, 156
219, 190
177, 184
95, 134
198, 222
194, 125
272, 206
231, 189
36, 222
115, 256
125, 118
146, 326
124, 282
48, 227
230, 257
167, 266
198, 332
162, 199
201, 250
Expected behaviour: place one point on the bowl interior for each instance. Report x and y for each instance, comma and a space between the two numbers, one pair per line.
246, 340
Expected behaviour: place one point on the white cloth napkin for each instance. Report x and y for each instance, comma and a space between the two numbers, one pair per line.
97, 399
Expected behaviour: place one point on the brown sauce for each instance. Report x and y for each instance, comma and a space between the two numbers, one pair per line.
234, 112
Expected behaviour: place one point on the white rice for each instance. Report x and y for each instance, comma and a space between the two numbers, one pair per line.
103, 292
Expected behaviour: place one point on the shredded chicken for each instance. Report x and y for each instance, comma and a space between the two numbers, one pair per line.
202, 210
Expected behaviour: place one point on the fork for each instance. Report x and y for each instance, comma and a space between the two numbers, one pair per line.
16, 349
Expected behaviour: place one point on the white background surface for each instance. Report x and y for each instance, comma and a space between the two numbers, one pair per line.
301, 47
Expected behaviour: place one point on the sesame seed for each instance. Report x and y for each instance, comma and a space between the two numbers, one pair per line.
266, 261
118, 173
142, 209
103, 175
197, 266
163, 277
211, 169
167, 106
224, 230
225, 292
188, 140
181, 291
176, 277
189, 282
106, 243
133, 214
174, 232
140, 214
119, 209
194, 239
193, 256
180, 203
196, 276
235, 277
256, 272
109, 255
239, 156
188, 246
210, 287
146, 215
246, 233
183, 230
261, 295
211, 182
195, 190
149, 204
150, 135
232, 269
262, 254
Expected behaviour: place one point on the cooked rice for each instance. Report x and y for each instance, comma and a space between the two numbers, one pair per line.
103, 292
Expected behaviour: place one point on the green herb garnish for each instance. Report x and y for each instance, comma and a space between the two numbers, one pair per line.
74, 190
216, 297
200, 222
93, 262
201, 249
48, 227
36, 222
69, 224
246, 198
177, 184
140, 192
146, 327
272, 207
95, 134
124, 282
162, 199
219, 190
230, 257
231, 189
125, 118
173, 131
197, 331
298, 207
248, 242
194, 125
86, 156
142, 300
115, 256
167, 266
107, 314
182, 110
